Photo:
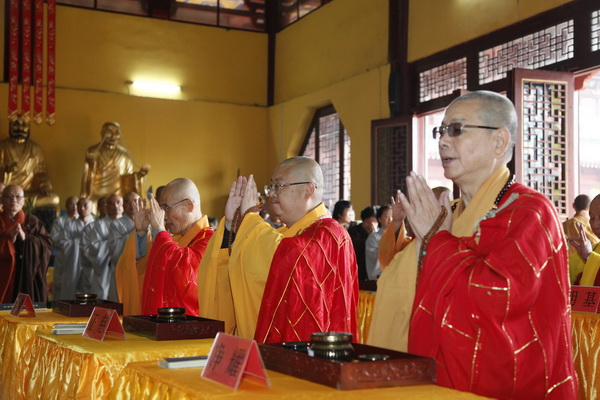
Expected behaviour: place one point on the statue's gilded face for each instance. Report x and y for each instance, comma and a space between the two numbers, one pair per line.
19, 130
111, 134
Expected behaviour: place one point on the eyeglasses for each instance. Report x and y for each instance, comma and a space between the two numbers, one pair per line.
13, 197
456, 129
276, 188
167, 207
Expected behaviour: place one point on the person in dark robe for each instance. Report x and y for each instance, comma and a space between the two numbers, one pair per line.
25, 249
359, 234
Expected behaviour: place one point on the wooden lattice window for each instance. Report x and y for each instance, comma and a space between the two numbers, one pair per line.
532, 51
544, 154
595, 31
328, 143
391, 157
566, 38
443, 80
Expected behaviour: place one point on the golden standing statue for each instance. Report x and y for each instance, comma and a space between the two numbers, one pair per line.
109, 168
22, 163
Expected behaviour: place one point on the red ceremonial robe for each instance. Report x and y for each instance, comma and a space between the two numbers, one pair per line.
312, 286
493, 309
23, 264
172, 270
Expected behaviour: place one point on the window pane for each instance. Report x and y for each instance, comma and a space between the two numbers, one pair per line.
434, 172
329, 156
311, 150
333, 156
589, 140
346, 172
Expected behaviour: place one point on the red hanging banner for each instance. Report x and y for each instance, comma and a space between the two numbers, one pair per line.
13, 60
51, 66
26, 62
38, 59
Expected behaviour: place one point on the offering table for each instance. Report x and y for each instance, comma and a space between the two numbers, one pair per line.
148, 381
76, 367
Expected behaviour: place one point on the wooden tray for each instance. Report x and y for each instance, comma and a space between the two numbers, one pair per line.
190, 328
400, 369
74, 308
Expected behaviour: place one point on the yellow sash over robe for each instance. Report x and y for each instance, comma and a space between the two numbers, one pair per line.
397, 283
389, 245
130, 276
230, 288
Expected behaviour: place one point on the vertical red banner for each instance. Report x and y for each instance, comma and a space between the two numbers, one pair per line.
51, 66
13, 60
38, 62
26, 59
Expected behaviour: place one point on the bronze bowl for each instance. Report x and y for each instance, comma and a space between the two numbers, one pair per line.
335, 346
169, 314
86, 297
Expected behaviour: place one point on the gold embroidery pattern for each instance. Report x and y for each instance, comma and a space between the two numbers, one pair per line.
319, 279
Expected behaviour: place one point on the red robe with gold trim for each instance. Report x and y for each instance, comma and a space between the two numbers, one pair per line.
493, 309
171, 278
304, 268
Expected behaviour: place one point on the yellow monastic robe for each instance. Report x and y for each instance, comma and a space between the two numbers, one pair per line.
570, 228
397, 283
230, 288
130, 275
389, 245
589, 268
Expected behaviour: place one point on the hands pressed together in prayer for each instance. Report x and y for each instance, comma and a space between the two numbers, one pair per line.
243, 194
152, 216
17, 231
581, 243
423, 209
398, 213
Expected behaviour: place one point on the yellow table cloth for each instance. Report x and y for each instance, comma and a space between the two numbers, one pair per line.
14, 332
586, 353
76, 367
364, 311
148, 381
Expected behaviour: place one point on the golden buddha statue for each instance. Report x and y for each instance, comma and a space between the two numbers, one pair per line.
109, 168
22, 163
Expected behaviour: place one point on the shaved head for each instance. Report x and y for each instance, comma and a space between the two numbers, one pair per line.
183, 200
183, 187
595, 215
305, 169
301, 190
130, 201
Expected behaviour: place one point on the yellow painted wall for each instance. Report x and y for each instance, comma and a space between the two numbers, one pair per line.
101, 51
336, 55
358, 101
340, 40
436, 25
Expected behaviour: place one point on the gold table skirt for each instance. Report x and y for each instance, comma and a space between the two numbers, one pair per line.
586, 353
148, 381
364, 311
15, 332
75, 367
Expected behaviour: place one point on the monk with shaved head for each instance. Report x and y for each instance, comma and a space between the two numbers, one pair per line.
166, 275
283, 284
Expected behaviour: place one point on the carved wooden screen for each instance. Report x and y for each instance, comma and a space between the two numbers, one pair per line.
544, 154
391, 157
